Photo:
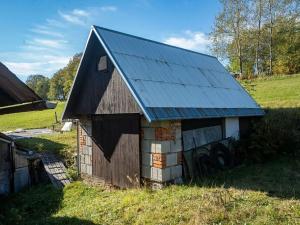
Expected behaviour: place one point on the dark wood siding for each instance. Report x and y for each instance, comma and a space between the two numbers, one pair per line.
116, 97
116, 149
99, 92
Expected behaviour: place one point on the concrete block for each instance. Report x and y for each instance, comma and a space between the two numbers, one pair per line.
85, 150
158, 160
149, 133
163, 174
146, 145
178, 180
90, 152
178, 133
146, 159
89, 141
154, 173
88, 159
89, 169
83, 168
171, 159
152, 146
176, 171
82, 158
162, 146
146, 171
176, 146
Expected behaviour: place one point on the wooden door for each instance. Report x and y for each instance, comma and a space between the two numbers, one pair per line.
116, 148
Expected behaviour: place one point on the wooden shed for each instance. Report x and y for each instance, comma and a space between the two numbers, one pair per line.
140, 104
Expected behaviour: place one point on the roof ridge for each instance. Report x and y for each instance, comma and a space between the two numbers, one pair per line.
156, 42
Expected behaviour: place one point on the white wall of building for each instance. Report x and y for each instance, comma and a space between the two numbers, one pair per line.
232, 128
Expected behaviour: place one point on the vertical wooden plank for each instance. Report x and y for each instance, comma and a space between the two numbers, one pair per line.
116, 149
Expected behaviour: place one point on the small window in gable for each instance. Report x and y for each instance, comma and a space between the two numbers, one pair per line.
102, 64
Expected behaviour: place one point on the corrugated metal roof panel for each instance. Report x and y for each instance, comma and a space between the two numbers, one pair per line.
171, 82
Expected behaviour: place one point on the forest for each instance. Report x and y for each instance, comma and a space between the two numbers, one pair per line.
258, 37
253, 38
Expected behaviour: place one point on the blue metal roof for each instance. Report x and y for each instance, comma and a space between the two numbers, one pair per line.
174, 83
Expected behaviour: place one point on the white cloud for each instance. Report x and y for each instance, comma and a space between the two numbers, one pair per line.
55, 23
80, 16
24, 69
46, 31
48, 43
196, 41
109, 8
80, 12
71, 18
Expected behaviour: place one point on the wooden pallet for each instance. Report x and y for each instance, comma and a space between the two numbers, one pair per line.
55, 170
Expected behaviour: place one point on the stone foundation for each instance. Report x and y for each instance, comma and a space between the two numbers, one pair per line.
85, 147
161, 151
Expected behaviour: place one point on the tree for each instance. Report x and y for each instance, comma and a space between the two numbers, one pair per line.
258, 16
61, 82
228, 31
258, 36
39, 84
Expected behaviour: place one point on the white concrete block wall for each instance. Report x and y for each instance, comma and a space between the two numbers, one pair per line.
232, 127
169, 168
85, 146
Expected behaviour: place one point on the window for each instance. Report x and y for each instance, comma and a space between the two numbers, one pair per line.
102, 64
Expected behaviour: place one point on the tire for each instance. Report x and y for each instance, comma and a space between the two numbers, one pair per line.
220, 156
202, 165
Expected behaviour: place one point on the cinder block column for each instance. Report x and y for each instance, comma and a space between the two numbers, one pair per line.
161, 151
85, 147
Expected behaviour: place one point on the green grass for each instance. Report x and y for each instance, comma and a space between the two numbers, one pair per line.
61, 144
266, 193
276, 91
29, 120
251, 195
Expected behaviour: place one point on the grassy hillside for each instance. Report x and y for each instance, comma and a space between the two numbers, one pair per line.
266, 193
29, 120
276, 92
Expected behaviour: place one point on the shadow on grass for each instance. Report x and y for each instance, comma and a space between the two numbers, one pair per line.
36, 206
41, 145
275, 141
278, 178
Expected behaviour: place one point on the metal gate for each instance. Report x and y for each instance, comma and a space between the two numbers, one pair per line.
116, 148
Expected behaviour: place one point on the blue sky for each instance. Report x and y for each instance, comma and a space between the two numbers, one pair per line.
40, 36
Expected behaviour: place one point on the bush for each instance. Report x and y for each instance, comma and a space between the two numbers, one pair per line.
276, 134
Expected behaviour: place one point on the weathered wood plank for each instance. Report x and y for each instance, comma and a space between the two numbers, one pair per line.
55, 170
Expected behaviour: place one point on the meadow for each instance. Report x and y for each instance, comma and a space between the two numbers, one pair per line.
260, 193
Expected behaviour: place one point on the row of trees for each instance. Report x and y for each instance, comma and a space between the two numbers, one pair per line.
258, 37
58, 87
